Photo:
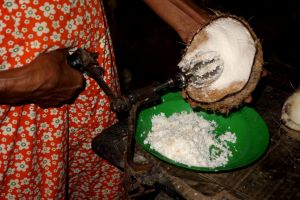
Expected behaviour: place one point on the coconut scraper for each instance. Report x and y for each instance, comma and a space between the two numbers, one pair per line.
198, 73
116, 144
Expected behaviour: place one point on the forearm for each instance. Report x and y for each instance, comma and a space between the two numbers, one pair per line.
15, 85
47, 80
182, 15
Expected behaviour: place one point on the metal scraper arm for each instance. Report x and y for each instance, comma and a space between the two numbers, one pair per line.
87, 62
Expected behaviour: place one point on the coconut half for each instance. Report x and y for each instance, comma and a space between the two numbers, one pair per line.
234, 55
290, 114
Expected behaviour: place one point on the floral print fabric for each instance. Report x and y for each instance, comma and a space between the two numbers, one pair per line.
46, 153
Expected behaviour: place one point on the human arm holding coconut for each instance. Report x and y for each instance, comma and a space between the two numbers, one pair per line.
182, 15
225, 46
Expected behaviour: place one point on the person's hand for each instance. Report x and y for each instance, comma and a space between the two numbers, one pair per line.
47, 81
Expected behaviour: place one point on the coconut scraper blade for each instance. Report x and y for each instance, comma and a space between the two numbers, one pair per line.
203, 70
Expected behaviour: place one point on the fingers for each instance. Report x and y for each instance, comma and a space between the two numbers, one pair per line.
58, 82
264, 73
248, 99
47, 80
73, 77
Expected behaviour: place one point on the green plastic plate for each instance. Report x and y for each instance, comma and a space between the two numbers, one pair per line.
250, 129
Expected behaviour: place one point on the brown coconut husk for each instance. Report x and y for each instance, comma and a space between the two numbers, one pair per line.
291, 132
235, 99
286, 114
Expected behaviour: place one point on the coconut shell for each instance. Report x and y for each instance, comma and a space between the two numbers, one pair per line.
290, 106
233, 100
291, 133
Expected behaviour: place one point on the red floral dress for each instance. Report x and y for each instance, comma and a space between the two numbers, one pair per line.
46, 153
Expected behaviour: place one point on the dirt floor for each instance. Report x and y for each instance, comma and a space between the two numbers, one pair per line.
148, 50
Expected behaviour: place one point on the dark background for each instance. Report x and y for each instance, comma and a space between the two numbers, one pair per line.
148, 50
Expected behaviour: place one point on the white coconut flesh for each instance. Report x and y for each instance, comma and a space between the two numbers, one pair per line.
291, 112
229, 49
